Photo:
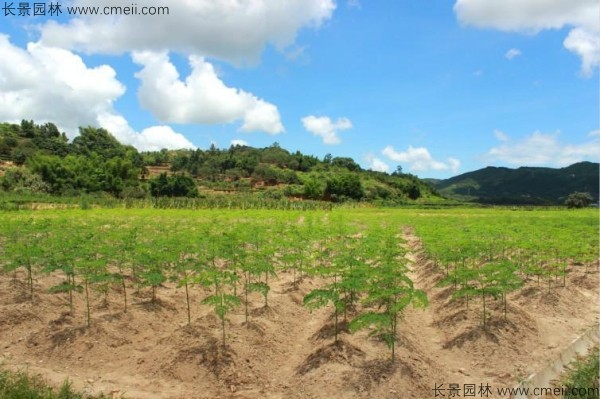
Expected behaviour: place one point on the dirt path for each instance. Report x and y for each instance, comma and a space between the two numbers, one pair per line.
432, 338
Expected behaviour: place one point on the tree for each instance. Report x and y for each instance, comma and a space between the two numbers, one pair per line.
389, 291
25, 249
92, 139
414, 192
321, 297
578, 200
220, 279
27, 129
313, 188
22, 179
19, 157
344, 185
173, 186
345, 162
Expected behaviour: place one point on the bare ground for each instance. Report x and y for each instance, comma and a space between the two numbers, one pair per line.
286, 351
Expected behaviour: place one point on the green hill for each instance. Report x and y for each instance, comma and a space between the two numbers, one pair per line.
525, 185
39, 159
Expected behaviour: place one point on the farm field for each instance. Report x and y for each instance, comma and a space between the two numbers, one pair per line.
289, 304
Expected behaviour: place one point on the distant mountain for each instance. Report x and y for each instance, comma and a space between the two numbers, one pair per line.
525, 185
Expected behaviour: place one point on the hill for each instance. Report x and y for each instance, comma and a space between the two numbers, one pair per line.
524, 185
40, 159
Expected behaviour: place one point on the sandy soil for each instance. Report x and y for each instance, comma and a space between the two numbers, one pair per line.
286, 351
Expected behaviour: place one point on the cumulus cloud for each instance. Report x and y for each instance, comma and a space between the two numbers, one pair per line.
238, 142
376, 164
236, 31
420, 160
262, 116
154, 138
540, 148
512, 53
587, 46
202, 98
49, 84
533, 16
527, 15
325, 128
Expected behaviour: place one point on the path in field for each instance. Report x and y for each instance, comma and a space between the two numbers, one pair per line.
421, 322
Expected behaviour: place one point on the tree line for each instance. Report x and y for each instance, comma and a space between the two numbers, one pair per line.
44, 160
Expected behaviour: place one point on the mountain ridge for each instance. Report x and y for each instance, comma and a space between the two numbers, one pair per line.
522, 185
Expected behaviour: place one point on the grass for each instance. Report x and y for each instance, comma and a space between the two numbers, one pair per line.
584, 374
21, 385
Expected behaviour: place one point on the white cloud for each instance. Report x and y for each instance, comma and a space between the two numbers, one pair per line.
49, 84
236, 31
587, 46
262, 116
528, 15
326, 129
453, 164
420, 160
500, 135
512, 53
239, 142
533, 16
544, 149
153, 138
376, 164
201, 98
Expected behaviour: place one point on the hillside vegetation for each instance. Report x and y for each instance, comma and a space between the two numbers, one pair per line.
525, 185
40, 159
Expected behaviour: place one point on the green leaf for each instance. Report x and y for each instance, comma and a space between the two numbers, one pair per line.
319, 298
368, 319
261, 287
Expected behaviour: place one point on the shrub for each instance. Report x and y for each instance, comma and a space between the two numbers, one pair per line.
584, 376
578, 200
173, 186
345, 185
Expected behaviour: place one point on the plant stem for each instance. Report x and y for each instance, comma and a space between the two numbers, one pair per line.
187, 300
124, 293
87, 303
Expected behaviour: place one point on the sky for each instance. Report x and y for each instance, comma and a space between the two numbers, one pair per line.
438, 87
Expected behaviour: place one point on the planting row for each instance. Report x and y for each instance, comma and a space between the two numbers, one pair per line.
362, 268
357, 256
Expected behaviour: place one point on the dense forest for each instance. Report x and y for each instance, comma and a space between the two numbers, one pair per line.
38, 158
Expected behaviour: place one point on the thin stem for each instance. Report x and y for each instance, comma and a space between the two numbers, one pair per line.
187, 300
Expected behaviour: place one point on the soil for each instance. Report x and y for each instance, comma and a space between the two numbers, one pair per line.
286, 351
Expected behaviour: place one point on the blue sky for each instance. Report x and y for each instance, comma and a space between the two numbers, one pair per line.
438, 87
